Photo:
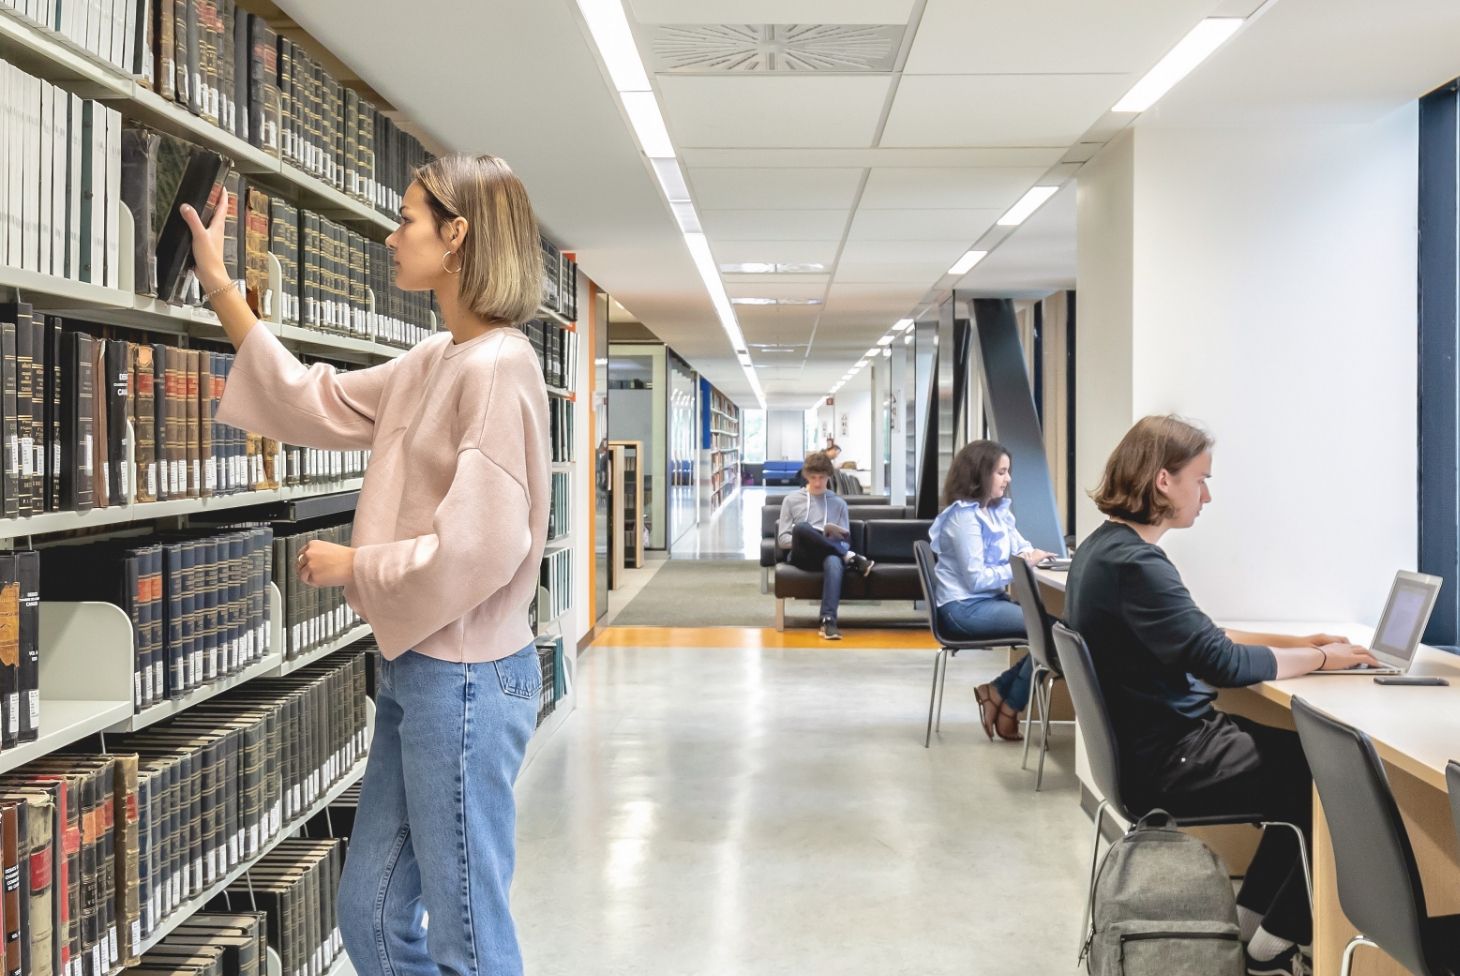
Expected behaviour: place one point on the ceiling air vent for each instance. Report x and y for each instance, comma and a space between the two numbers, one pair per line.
776, 48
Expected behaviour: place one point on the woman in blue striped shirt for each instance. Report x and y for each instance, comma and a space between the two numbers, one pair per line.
975, 537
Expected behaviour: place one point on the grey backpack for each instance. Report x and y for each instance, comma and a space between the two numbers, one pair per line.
1163, 904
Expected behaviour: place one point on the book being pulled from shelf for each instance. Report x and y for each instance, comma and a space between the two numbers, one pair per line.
61, 157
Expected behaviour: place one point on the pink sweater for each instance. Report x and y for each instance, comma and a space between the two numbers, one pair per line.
452, 518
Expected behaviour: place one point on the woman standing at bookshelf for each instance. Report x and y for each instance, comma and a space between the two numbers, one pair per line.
449, 534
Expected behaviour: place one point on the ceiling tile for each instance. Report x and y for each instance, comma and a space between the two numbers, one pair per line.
793, 110
961, 188
882, 156
999, 110
789, 252
921, 225
936, 253
1088, 36
789, 279
892, 272
760, 225
771, 11
774, 189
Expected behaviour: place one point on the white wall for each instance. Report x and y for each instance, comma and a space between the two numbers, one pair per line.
1272, 296
785, 430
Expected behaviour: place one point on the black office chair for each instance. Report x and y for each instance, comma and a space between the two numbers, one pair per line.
1103, 754
948, 646
1379, 886
1452, 776
1037, 624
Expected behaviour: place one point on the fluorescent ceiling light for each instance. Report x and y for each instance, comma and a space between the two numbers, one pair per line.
902, 325
907, 339
671, 179
885, 340
775, 301
766, 267
689, 220
1028, 203
861, 362
1189, 52
610, 30
648, 124
887, 352
965, 264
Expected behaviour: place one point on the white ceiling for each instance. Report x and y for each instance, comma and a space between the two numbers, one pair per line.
884, 177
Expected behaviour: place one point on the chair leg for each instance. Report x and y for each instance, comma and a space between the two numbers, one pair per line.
765, 580
1090, 893
1302, 854
1348, 953
933, 697
1034, 703
780, 615
1044, 729
942, 684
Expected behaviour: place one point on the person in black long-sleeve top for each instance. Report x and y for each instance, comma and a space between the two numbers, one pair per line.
1160, 659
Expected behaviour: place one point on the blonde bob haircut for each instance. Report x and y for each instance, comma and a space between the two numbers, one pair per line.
1128, 489
501, 258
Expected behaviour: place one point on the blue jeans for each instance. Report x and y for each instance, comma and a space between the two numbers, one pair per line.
812, 550
996, 616
435, 833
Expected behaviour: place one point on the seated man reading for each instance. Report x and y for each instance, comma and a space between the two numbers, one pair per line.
815, 528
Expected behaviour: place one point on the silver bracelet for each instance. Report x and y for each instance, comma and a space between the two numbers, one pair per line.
208, 298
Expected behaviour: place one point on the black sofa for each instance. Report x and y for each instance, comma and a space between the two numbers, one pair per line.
882, 533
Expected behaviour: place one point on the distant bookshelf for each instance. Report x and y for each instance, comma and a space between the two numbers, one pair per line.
722, 443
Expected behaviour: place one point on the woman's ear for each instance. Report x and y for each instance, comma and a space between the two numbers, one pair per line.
455, 232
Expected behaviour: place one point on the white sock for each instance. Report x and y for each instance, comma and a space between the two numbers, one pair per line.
1265, 945
1248, 921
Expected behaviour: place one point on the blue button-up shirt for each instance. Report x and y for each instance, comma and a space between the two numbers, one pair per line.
974, 545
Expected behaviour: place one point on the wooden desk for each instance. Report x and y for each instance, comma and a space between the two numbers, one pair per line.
1416, 731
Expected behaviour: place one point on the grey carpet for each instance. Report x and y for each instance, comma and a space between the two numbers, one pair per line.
726, 593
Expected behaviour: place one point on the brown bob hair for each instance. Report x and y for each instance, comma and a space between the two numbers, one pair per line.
972, 472
817, 462
501, 257
1128, 487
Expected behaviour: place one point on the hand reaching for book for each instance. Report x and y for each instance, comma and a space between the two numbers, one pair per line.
208, 245
325, 564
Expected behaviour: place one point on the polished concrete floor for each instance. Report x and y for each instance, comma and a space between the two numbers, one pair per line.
731, 533
749, 812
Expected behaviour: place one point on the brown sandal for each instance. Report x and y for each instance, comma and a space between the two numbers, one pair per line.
988, 709
1000, 726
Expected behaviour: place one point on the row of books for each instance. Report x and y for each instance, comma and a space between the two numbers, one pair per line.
559, 281
560, 430
108, 29
228, 943
555, 584
313, 616
230, 68
199, 606
296, 886
556, 346
547, 655
60, 180
73, 404
328, 272
560, 512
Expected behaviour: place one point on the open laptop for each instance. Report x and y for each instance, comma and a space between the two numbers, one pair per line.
1411, 600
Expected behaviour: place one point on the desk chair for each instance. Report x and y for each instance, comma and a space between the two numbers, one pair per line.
1452, 776
1037, 624
947, 646
1103, 753
1379, 887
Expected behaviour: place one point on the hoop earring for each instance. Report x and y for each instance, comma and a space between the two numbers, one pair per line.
445, 268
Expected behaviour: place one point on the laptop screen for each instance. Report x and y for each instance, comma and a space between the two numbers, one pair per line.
1406, 614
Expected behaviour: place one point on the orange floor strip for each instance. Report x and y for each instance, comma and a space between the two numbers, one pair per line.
758, 637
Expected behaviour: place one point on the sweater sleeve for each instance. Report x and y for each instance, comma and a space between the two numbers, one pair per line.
1159, 610
269, 392
481, 533
784, 523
